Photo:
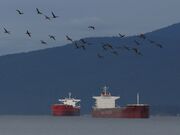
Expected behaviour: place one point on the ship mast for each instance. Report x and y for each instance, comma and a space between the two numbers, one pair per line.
105, 90
69, 95
137, 98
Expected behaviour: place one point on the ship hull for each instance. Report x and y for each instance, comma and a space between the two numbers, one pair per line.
130, 111
65, 110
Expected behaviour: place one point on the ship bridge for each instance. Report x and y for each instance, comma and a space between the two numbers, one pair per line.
70, 101
105, 100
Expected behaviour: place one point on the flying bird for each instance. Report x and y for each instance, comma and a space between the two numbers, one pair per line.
142, 36
104, 47
139, 53
43, 42
115, 52
121, 35
68, 38
52, 37
136, 42
47, 17
28, 33
83, 47
38, 11
6, 31
54, 16
100, 56
19, 12
108, 45
91, 27
135, 50
83, 41
76, 45
125, 47
159, 45
151, 41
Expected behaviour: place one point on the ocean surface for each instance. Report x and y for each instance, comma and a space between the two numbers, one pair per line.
86, 125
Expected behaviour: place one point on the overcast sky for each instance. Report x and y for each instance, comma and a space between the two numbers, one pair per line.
110, 17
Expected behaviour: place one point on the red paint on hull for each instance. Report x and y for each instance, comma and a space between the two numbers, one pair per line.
130, 111
65, 110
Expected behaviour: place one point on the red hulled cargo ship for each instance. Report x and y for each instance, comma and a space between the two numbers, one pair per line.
67, 107
105, 107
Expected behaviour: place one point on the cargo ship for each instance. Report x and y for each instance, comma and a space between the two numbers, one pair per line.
105, 107
68, 107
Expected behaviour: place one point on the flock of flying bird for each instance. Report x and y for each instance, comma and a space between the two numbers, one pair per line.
46, 17
82, 43
108, 47
28, 33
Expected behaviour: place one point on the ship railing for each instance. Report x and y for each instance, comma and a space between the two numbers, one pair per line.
137, 105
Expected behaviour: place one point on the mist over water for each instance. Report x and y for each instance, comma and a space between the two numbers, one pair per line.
86, 125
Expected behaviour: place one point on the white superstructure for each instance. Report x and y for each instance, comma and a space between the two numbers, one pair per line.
70, 101
105, 100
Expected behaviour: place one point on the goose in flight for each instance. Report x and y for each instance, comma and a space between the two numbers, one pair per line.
6, 31
121, 35
100, 56
28, 33
115, 53
47, 17
137, 51
76, 45
136, 42
104, 47
19, 12
83, 47
142, 36
52, 37
151, 41
125, 47
38, 11
54, 16
108, 45
83, 41
159, 45
68, 38
91, 27
43, 42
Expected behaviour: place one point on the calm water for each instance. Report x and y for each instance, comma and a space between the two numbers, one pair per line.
85, 125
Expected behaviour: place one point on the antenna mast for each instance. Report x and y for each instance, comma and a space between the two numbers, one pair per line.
69, 94
137, 98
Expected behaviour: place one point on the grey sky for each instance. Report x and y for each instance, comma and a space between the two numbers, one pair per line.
109, 17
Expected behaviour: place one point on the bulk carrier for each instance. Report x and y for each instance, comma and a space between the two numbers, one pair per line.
105, 107
68, 107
